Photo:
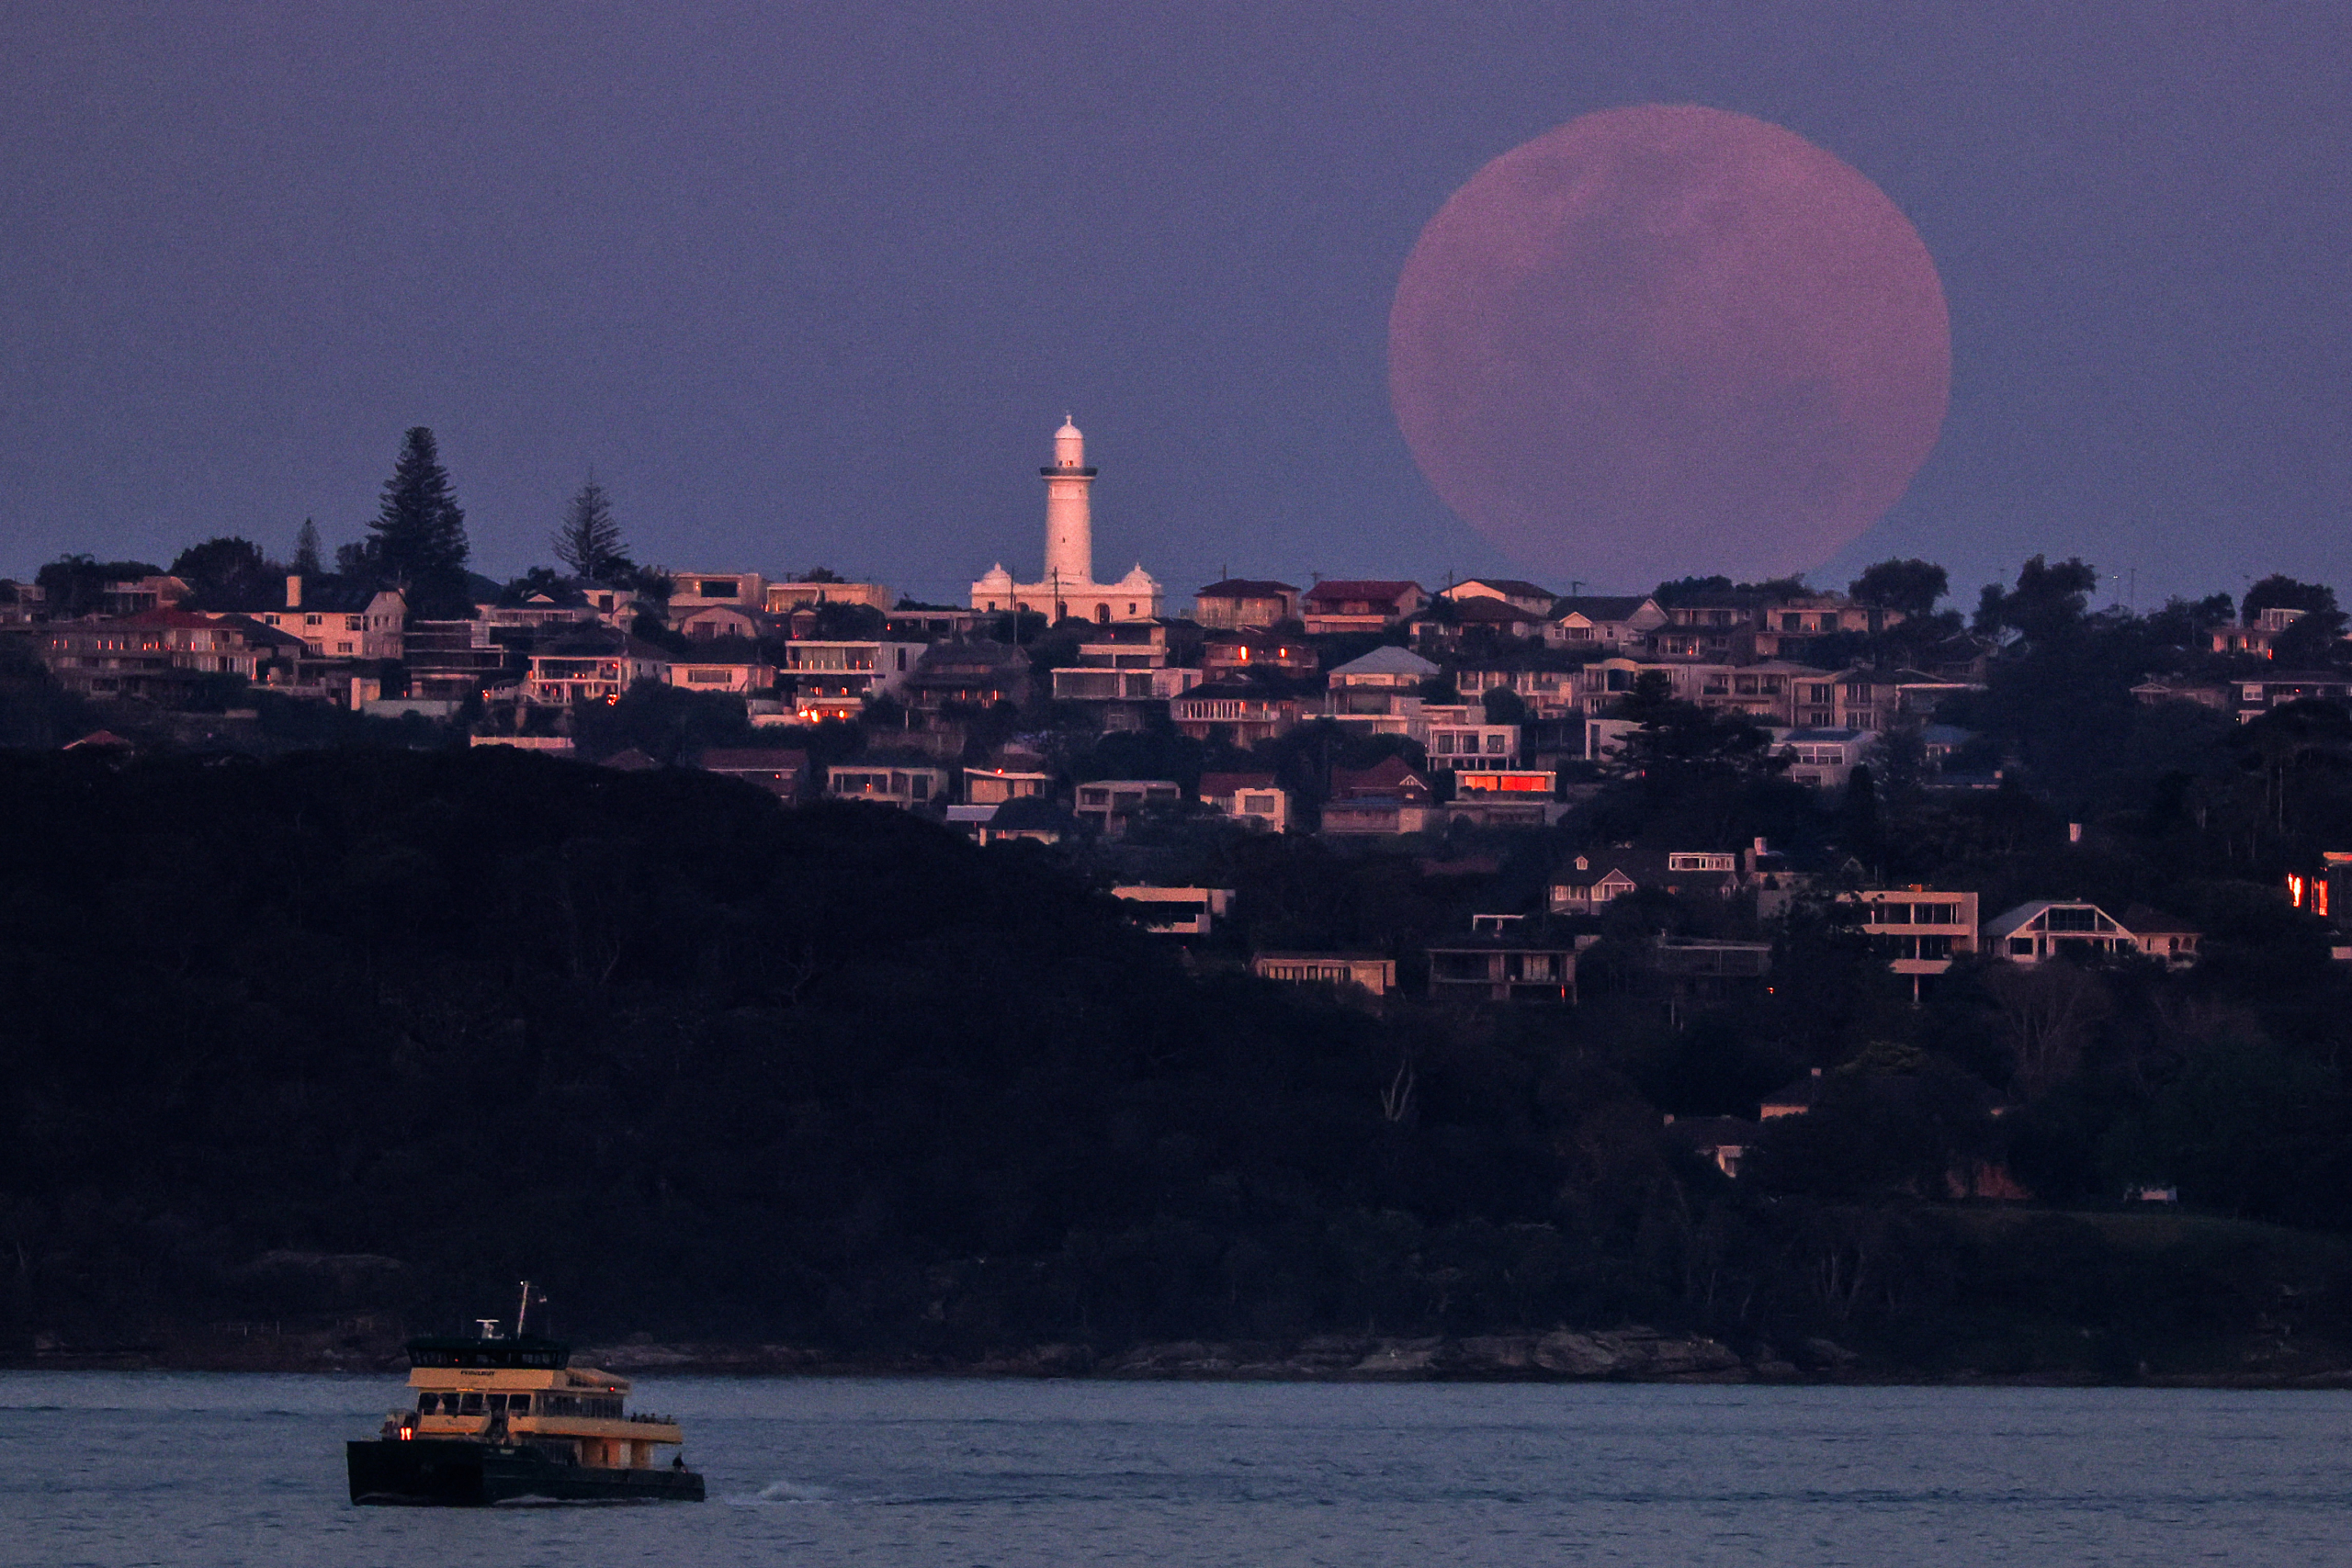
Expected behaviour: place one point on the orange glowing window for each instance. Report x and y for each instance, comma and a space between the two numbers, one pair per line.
2319, 897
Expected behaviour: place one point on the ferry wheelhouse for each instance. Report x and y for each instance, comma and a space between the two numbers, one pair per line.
509, 1419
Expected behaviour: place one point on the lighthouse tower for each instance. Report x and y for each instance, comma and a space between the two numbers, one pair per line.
1069, 520
1067, 591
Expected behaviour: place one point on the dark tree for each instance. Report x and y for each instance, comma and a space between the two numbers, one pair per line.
2185, 623
419, 535
2277, 592
1680, 741
308, 558
2048, 603
1503, 705
2315, 637
228, 574
537, 580
1910, 586
849, 622
589, 541
75, 585
1682, 589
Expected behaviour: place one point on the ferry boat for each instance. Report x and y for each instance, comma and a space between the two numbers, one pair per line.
509, 1419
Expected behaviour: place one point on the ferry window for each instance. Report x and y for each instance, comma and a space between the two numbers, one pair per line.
472, 1405
518, 1403
427, 1404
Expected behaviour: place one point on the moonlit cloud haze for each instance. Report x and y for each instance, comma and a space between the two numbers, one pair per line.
812, 283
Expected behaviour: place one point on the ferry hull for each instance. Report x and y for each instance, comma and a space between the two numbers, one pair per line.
439, 1472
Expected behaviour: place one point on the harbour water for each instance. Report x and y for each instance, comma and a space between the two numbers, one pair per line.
121, 1468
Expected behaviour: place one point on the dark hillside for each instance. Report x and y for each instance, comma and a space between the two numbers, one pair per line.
703, 1064
373, 1034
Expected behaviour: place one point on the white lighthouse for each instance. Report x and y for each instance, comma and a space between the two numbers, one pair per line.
1067, 589
1069, 520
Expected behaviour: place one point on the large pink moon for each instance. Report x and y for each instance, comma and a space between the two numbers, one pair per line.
1668, 339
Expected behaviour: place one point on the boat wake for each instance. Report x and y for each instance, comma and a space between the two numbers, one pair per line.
777, 1494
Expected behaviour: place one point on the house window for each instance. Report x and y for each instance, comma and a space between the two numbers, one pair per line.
2022, 946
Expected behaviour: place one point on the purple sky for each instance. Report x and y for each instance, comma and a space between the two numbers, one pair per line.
813, 284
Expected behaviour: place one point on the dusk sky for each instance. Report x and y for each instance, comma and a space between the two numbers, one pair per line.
812, 285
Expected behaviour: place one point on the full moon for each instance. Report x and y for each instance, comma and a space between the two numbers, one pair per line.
1668, 339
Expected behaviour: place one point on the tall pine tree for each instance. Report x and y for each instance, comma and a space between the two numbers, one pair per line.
589, 541
419, 536
308, 554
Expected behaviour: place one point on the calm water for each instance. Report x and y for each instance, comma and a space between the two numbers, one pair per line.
138, 1468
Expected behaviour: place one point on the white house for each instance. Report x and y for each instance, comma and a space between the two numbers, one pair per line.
1825, 759
1254, 798
1614, 622
2055, 927
595, 666
901, 785
336, 622
1176, 911
1919, 930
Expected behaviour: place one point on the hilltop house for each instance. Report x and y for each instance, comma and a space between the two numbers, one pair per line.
1825, 759
1380, 692
906, 785
336, 619
994, 787
593, 665
782, 771
1241, 604
1535, 600
737, 674
2258, 637
1503, 966
1257, 799
975, 675
1113, 805
1359, 605
1592, 881
1617, 622
1369, 970
1473, 623
1241, 709
1388, 798
838, 679
694, 591
1175, 911
2056, 928
1247, 653
1921, 931
798, 594
160, 654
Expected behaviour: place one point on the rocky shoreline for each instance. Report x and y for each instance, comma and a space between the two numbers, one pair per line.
1632, 1354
